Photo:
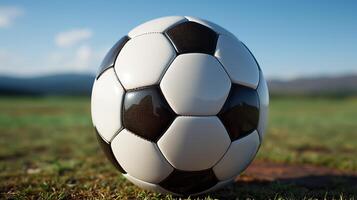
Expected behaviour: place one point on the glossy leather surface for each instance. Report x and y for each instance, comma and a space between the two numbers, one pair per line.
239, 63
188, 142
106, 104
143, 60
192, 37
140, 158
146, 113
110, 57
240, 113
263, 94
185, 182
218, 29
239, 155
158, 25
147, 185
108, 152
195, 84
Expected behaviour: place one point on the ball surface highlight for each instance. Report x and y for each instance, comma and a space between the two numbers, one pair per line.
180, 106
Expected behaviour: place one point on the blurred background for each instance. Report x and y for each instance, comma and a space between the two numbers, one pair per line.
51, 50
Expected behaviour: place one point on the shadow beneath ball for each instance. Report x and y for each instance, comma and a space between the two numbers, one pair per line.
323, 186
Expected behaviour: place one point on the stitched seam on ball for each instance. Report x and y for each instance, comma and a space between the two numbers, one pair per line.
212, 28
172, 43
167, 160
167, 67
156, 32
100, 135
256, 90
116, 75
121, 107
157, 147
133, 133
256, 62
100, 74
116, 56
205, 26
251, 160
142, 88
177, 23
171, 61
219, 160
116, 133
251, 55
225, 70
147, 33
259, 136
259, 82
240, 82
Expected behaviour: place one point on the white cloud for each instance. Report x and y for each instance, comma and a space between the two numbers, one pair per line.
73, 53
8, 14
13, 64
83, 57
6, 58
72, 37
78, 56
10, 60
80, 59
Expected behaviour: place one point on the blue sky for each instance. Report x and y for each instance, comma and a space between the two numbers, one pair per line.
288, 38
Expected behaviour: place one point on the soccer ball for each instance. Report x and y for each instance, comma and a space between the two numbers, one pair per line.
180, 106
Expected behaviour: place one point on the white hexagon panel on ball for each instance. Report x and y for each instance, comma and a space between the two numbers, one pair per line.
198, 136
195, 84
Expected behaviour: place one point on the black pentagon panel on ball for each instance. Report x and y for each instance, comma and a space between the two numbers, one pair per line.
192, 37
146, 113
240, 113
189, 182
108, 152
110, 57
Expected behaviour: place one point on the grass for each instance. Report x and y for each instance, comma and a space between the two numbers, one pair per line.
48, 150
315, 131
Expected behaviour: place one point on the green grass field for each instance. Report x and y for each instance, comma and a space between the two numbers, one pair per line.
48, 150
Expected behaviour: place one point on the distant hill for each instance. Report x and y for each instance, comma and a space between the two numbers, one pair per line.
339, 85
81, 84
62, 84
